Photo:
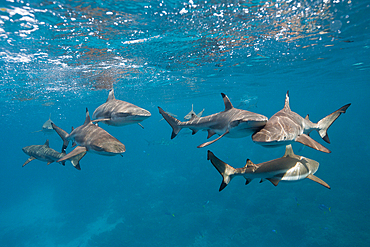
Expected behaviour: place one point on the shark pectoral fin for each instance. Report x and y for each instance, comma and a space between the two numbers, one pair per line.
210, 133
73, 153
28, 161
318, 180
308, 141
274, 181
75, 160
200, 113
210, 142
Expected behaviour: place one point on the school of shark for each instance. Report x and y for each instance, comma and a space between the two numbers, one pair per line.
282, 129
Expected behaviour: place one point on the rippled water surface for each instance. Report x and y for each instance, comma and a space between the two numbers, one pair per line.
59, 57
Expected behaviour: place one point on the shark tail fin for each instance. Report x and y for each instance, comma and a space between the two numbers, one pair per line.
324, 124
172, 121
224, 169
63, 134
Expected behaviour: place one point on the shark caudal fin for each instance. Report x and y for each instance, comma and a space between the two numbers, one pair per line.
172, 121
324, 124
63, 134
224, 169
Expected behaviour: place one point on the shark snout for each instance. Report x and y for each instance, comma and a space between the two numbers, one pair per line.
142, 113
257, 121
114, 148
25, 149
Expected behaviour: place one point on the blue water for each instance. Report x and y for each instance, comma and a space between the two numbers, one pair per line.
63, 56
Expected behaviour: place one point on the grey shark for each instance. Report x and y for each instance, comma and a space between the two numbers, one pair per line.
119, 113
231, 122
290, 167
90, 138
191, 114
46, 127
286, 127
49, 155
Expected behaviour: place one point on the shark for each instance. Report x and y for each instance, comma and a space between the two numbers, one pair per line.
46, 127
192, 113
290, 167
286, 127
90, 138
49, 155
119, 113
232, 122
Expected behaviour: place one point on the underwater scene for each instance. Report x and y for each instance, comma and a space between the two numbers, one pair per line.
184, 123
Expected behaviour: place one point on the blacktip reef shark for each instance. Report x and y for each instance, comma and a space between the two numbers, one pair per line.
290, 167
119, 113
46, 127
231, 122
192, 113
90, 138
286, 127
49, 155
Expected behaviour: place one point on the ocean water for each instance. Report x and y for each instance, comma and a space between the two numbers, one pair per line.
60, 57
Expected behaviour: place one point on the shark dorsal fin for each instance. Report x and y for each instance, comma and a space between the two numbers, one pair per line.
286, 106
227, 102
288, 151
249, 163
111, 95
87, 120
47, 143
307, 117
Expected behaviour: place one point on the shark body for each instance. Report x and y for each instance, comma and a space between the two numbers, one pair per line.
286, 127
231, 122
290, 167
119, 113
49, 155
90, 138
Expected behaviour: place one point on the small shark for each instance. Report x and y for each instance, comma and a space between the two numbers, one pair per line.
286, 127
46, 127
290, 167
49, 155
231, 122
91, 138
191, 114
119, 113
